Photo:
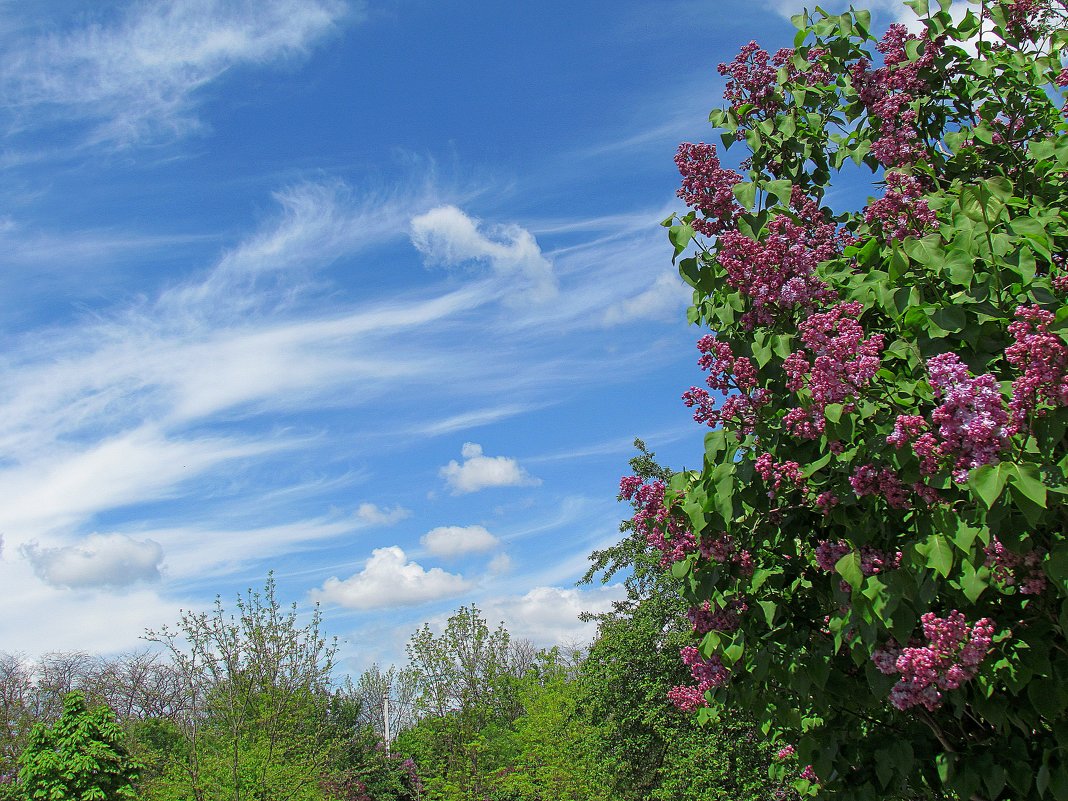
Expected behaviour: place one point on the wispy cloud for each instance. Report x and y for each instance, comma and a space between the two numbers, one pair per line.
445, 235
139, 77
661, 301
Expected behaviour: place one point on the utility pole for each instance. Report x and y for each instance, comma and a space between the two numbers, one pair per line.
385, 719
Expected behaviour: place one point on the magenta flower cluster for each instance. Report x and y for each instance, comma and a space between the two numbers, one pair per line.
872, 560
720, 548
1011, 569
752, 78
970, 424
777, 475
727, 374
706, 672
1043, 359
951, 657
704, 618
663, 530
901, 211
707, 187
888, 93
835, 364
779, 273
867, 479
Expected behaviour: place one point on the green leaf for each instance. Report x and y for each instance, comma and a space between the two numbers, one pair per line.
848, 567
927, 251
973, 583
1026, 478
680, 236
988, 482
745, 192
769, 607
939, 554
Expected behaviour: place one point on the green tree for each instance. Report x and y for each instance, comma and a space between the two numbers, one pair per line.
82, 757
875, 546
257, 692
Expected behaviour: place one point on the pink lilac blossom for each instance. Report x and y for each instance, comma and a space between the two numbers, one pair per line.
707, 673
872, 560
751, 80
826, 501
778, 273
777, 474
809, 774
1011, 569
867, 479
662, 528
707, 187
836, 364
1043, 359
971, 422
951, 657
704, 618
901, 212
720, 548
785, 753
889, 91
727, 374
1024, 19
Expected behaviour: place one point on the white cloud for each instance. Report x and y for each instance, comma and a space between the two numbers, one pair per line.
501, 563
445, 235
388, 579
455, 540
661, 301
376, 516
138, 77
101, 560
478, 471
550, 615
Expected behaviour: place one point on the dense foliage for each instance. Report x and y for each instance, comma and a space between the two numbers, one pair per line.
875, 547
82, 757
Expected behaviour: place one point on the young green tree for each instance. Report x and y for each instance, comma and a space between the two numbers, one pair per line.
82, 757
874, 550
257, 690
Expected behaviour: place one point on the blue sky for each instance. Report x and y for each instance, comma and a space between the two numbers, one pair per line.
370, 294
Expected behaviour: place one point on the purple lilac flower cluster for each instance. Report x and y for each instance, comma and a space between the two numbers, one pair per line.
836, 363
951, 657
727, 373
889, 91
867, 479
777, 474
752, 78
901, 212
1043, 358
872, 560
1012, 569
720, 548
779, 273
704, 618
707, 187
971, 424
706, 672
663, 530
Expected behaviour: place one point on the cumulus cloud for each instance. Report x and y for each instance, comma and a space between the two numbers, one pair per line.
662, 300
478, 471
102, 560
501, 563
550, 615
389, 579
137, 77
456, 540
376, 516
445, 235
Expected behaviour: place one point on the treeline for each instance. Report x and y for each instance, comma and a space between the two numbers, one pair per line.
243, 705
